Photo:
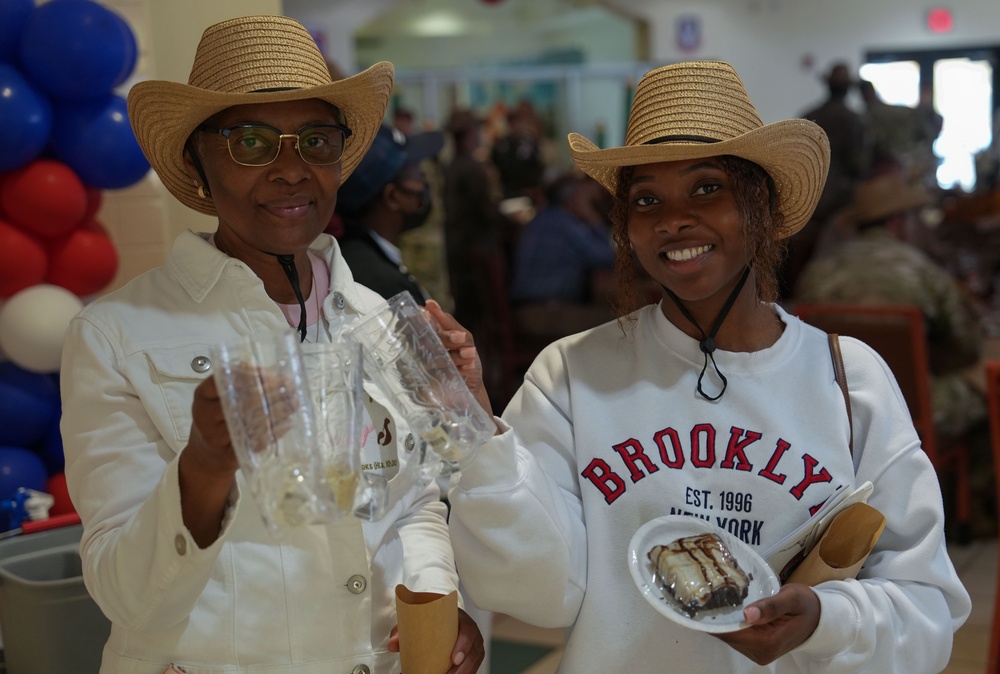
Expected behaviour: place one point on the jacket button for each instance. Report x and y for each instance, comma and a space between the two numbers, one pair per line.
180, 544
357, 584
361, 669
339, 302
201, 364
409, 443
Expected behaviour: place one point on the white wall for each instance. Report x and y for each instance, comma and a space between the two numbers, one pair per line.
767, 40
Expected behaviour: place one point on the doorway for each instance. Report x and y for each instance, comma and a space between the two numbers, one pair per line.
963, 86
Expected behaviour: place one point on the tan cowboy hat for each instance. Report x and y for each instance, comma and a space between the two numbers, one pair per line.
251, 59
879, 197
700, 109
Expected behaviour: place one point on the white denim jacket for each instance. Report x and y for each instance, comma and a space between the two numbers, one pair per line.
319, 601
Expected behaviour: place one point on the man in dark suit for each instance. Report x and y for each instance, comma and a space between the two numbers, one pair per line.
386, 195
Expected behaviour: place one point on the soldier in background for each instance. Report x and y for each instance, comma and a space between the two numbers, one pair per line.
878, 266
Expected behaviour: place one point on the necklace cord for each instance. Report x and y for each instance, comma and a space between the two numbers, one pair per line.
707, 342
287, 263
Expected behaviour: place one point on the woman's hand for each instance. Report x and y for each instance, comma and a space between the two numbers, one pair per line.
207, 466
777, 624
462, 347
469, 651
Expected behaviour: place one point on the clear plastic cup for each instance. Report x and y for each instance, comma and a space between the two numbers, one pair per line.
265, 399
405, 357
335, 375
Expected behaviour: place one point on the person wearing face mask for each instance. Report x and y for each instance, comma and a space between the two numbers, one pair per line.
388, 195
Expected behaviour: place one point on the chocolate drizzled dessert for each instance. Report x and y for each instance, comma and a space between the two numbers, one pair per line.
700, 573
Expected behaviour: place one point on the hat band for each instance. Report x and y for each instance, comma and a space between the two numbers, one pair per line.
268, 91
681, 139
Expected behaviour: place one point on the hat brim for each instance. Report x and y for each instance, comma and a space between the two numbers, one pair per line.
877, 207
794, 152
164, 114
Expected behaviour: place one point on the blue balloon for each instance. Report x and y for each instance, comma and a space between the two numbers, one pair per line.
130, 50
19, 468
51, 451
29, 406
44, 386
96, 140
13, 15
25, 120
76, 50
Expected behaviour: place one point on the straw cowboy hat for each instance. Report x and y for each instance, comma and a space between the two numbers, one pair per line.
701, 109
252, 59
879, 197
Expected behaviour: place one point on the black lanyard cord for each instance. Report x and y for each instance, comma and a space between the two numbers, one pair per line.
287, 263
707, 342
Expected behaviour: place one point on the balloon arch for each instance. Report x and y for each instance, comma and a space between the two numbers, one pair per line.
65, 137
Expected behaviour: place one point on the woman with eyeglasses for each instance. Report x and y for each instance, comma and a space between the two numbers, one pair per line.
174, 549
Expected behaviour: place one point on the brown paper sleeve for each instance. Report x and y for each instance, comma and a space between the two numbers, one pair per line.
844, 547
428, 628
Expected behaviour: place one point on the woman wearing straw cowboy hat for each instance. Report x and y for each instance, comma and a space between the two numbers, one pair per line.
173, 552
713, 403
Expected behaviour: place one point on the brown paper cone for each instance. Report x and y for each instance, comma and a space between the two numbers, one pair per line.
845, 546
428, 628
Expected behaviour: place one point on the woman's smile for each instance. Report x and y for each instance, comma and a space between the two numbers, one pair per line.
685, 254
289, 210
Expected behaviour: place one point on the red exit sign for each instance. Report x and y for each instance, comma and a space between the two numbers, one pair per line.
940, 20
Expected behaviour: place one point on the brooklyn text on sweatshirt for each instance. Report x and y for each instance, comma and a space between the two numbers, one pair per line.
744, 450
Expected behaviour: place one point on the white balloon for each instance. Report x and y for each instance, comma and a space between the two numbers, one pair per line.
33, 326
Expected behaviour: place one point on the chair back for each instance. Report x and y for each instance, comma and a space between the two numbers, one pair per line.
993, 401
898, 334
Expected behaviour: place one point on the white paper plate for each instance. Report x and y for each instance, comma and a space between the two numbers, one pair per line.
667, 529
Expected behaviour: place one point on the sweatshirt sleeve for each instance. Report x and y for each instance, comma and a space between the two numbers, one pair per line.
901, 613
517, 506
428, 563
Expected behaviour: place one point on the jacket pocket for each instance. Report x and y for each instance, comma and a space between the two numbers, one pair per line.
174, 374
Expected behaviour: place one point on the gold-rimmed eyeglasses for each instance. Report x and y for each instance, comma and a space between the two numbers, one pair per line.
259, 144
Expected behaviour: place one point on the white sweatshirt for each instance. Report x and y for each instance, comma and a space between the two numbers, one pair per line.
608, 432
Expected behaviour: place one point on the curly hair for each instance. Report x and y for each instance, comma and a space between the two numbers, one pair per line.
760, 219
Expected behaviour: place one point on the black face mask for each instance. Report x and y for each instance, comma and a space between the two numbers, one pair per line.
419, 217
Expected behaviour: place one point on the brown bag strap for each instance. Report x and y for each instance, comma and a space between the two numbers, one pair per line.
841, 374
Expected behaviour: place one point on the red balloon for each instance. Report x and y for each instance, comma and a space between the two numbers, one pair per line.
94, 198
84, 263
3, 176
22, 260
56, 486
44, 198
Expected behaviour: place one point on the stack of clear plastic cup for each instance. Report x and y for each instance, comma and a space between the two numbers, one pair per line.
336, 383
265, 399
405, 357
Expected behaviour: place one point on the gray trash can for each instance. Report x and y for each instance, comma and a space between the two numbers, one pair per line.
49, 623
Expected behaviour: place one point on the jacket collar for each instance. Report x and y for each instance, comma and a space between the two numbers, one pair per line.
198, 266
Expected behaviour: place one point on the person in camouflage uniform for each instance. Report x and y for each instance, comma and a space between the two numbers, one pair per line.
877, 266
900, 135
